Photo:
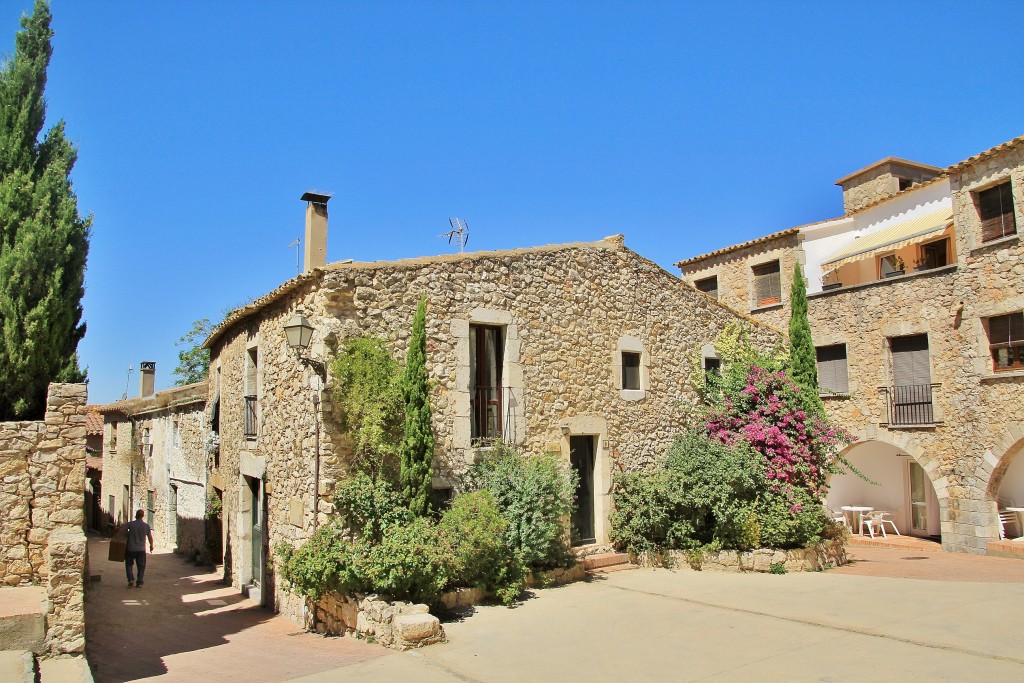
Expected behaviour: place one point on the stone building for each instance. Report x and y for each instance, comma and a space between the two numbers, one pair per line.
915, 297
578, 349
155, 460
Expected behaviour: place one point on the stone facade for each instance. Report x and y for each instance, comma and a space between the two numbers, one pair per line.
976, 430
882, 180
734, 270
42, 465
567, 314
398, 625
157, 462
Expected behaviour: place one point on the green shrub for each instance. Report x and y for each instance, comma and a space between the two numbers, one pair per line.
328, 562
476, 531
791, 522
412, 562
368, 507
649, 512
777, 568
535, 494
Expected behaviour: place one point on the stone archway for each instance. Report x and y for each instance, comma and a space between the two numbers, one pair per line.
885, 458
1003, 474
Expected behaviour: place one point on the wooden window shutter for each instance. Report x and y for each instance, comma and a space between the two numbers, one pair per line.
767, 284
995, 209
708, 285
833, 371
910, 360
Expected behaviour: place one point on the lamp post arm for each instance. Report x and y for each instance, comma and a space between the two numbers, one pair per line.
318, 367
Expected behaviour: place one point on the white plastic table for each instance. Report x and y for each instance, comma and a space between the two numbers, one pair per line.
856, 512
1020, 522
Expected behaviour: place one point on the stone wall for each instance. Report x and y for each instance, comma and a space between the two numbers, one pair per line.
869, 188
734, 270
41, 502
567, 312
395, 624
812, 559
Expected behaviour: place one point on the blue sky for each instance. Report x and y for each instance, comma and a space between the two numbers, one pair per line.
684, 126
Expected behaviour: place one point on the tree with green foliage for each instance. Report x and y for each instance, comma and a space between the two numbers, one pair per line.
193, 359
418, 435
368, 395
803, 365
44, 241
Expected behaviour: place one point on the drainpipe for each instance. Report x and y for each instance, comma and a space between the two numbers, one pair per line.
316, 459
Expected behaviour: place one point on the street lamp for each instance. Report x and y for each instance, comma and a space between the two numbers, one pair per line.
299, 332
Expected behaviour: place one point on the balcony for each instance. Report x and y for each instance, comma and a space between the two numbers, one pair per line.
250, 417
909, 405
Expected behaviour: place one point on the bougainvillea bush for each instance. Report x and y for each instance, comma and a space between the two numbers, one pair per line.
751, 473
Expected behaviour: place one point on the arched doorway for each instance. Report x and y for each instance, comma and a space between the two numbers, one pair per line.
901, 486
1006, 488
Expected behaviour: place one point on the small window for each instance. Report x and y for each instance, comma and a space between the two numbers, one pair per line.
833, 372
113, 437
891, 266
712, 367
1006, 341
767, 285
934, 254
708, 285
995, 209
630, 371
905, 184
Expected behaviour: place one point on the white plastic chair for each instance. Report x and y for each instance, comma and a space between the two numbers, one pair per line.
882, 518
839, 517
872, 521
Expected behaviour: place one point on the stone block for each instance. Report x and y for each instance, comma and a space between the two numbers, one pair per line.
414, 628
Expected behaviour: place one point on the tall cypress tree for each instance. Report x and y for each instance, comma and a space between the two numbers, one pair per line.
802, 358
418, 435
43, 239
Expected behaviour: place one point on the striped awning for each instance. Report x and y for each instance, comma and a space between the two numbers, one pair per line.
894, 237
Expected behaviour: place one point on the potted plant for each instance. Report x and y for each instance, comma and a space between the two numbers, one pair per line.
920, 264
897, 264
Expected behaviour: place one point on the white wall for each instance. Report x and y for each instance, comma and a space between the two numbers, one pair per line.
879, 462
821, 241
1011, 489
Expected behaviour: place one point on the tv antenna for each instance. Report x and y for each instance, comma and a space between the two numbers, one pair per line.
127, 382
295, 243
460, 231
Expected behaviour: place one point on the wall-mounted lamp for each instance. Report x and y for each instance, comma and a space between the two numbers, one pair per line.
299, 332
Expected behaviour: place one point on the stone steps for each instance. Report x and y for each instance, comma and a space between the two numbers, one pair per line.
65, 670
603, 563
17, 666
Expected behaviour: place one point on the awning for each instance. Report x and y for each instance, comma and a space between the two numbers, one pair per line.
892, 238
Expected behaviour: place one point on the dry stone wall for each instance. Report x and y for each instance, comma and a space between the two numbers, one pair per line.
42, 499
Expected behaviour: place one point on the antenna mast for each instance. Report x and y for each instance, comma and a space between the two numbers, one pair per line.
460, 230
295, 243
128, 382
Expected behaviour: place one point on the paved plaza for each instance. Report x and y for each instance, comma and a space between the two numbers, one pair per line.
892, 615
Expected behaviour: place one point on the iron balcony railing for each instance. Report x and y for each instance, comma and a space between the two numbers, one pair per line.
492, 411
250, 416
910, 404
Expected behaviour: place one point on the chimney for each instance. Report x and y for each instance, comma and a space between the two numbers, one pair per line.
316, 230
147, 375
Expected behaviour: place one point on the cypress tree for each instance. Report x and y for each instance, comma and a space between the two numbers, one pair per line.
802, 357
43, 239
418, 435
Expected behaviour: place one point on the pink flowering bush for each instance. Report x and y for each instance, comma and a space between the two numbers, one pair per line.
765, 409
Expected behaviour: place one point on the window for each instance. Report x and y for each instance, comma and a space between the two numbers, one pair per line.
630, 371
251, 368
712, 367
113, 439
934, 254
995, 209
486, 361
911, 400
833, 372
1006, 341
891, 265
708, 285
905, 184
767, 285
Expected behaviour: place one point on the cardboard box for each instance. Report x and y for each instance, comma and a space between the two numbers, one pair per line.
115, 552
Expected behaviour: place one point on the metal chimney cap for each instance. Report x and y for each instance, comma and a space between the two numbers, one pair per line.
316, 197
148, 365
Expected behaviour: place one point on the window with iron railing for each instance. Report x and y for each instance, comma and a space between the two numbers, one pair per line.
487, 393
250, 416
909, 400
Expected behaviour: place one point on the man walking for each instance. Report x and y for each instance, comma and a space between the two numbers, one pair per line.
135, 551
